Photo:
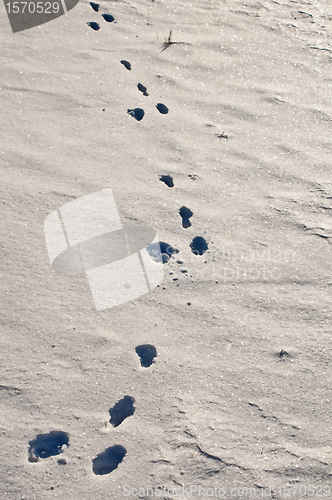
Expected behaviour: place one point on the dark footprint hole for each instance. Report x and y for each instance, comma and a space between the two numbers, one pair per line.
146, 353
136, 113
167, 248
198, 245
121, 410
126, 64
168, 180
95, 6
142, 89
162, 108
166, 251
108, 18
47, 445
185, 213
94, 26
108, 460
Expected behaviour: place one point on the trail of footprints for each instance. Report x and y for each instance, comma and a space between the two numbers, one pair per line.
107, 17
56, 442
198, 245
137, 113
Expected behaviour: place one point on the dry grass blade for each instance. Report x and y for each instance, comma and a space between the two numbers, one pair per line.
168, 41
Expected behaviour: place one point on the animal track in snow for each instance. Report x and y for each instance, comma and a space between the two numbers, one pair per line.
47, 445
198, 245
167, 179
121, 410
146, 353
142, 89
126, 64
137, 113
93, 25
108, 18
95, 6
108, 460
167, 248
166, 251
185, 213
162, 108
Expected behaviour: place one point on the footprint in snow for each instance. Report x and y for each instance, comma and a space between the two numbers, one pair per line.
162, 108
47, 445
108, 18
142, 89
185, 213
146, 353
126, 64
199, 245
121, 410
108, 460
95, 6
93, 25
167, 179
137, 113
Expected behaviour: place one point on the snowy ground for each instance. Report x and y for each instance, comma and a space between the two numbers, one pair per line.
239, 394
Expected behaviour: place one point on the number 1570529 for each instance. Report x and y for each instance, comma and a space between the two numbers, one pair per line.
302, 490
32, 7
